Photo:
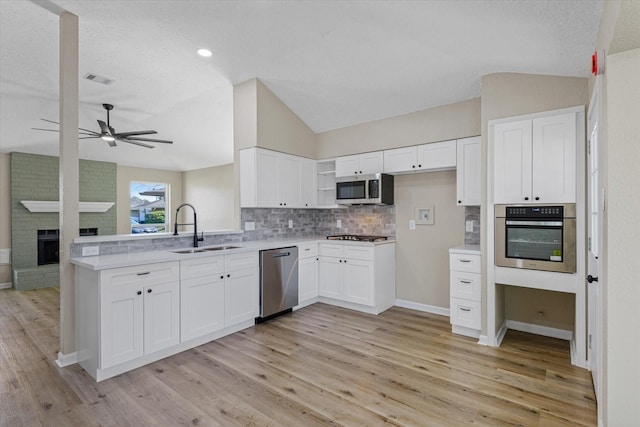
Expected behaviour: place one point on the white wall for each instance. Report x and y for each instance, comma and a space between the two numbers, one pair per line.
620, 284
210, 191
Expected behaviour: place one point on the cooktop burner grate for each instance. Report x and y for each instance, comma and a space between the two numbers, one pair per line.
357, 238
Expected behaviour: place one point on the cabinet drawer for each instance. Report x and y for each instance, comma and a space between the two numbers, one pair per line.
465, 285
307, 250
241, 261
465, 313
464, 262
331, 249
358, 252
143, 274
203, 266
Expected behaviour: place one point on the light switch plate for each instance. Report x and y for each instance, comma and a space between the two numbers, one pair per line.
91, 251
469, 226
412, 225
290, 223
339, 223
249, 226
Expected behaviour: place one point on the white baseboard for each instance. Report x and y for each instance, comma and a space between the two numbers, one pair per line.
423, 307
483, 340
501, 333
546, 331
66, 359
6, 285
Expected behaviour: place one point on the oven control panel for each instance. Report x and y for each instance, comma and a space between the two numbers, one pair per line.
546, 212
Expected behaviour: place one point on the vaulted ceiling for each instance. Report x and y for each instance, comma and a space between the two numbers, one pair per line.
334, 63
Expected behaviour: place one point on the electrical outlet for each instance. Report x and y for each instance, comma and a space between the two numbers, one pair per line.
339, 223
290, 223
91, 250
412, 225
469, 226
249, 226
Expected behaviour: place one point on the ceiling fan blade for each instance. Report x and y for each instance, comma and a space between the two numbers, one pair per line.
138, 132
48, 130
96, 134
112, 143
164, 141
137, 143
57, 123
89, 137
50, 121
104, 128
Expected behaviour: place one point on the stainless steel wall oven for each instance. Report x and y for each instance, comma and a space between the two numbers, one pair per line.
536, 237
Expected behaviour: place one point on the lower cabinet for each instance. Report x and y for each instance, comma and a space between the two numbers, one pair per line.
357, 276
465, 292
138, 316
241, 295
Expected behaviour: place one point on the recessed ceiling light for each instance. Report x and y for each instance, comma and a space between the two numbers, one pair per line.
204, 52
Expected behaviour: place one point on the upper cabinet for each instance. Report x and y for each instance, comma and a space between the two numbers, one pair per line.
421, 158
535, 160
468, 171
272, 179
359, 164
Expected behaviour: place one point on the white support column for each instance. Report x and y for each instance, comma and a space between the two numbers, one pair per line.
69, 179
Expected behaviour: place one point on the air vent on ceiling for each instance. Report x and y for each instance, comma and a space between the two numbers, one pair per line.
98, 79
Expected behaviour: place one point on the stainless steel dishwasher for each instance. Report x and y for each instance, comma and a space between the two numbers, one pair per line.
278, 282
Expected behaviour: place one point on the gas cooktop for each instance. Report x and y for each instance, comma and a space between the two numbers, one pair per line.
357, 238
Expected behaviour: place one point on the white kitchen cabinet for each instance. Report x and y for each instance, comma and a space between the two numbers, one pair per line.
360, 164
360, 277
201, 296
535, 160
421, 158
242, 295
468, 171
307, 273
272, 179
139, 311
326, 184
465, 303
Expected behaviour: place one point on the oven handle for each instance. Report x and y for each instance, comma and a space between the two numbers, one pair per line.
535, 223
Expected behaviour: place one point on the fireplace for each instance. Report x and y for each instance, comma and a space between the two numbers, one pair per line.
49, 244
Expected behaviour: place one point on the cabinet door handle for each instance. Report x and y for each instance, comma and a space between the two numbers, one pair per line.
222, 277
360, 171
228, 275
459, 201
537, 198
340, 261
419, 166
465, 309
142, 274
526, 198
466, 282
413, 166
345, 261
139, 292
149, 290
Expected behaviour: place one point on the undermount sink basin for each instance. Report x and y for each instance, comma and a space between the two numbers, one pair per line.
200, 250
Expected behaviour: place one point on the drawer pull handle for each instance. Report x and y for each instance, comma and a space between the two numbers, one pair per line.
465, 260
465, 309
142, 274
466, 282
307, 249
139, 292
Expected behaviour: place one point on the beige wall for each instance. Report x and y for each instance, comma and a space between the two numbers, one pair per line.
210, 191
5, 212
452, 121
422, 262
619, 278
127, 174
506, 95
422, 255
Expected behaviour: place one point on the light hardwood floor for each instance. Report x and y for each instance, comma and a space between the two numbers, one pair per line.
321, 365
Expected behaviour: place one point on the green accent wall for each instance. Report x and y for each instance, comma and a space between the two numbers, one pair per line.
35, 177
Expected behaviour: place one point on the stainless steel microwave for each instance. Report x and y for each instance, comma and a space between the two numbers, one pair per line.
536, 237
374, 189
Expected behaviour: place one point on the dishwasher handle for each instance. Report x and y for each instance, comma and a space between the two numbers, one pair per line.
280, 255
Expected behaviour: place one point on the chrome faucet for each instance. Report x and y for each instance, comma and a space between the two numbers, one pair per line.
196, 239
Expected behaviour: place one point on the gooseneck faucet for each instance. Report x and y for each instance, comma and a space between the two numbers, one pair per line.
196, 239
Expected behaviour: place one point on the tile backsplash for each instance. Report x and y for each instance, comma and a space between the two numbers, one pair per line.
472, 213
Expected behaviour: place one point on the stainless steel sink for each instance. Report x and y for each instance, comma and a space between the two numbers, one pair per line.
200, 250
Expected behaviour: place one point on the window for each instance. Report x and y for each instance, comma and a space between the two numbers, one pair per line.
149, 201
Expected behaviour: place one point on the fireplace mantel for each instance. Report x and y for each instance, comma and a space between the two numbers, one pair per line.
54, 206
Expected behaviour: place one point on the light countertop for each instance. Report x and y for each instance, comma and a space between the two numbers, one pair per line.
466, 249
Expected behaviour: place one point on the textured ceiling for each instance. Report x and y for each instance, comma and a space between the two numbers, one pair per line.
335, 64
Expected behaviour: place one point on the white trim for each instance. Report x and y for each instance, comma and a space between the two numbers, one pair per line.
483, 340
501, 333
576, 109
6, 285
467, 332
423, 307
54, 206
66, 359
546, 331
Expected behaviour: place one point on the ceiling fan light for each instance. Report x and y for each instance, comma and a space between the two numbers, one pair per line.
205, 53
107, 138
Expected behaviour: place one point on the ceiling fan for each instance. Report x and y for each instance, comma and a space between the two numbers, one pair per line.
108, 134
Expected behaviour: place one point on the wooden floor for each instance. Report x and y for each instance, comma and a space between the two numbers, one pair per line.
321, 365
